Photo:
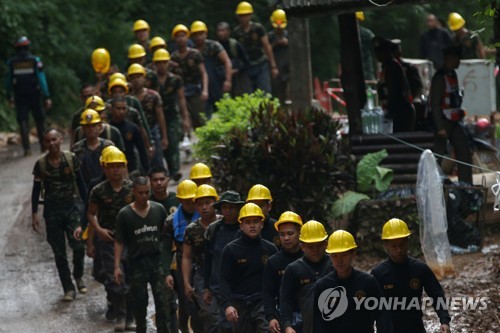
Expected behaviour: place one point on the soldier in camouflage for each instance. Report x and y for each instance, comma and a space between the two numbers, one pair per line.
193, 259
58, 172
105, 201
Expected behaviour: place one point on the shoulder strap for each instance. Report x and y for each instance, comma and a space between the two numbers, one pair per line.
233, 46
42, 163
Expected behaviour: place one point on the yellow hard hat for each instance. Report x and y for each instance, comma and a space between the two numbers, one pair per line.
204, 191
136, 51
200, 171
455, 21
106, 151
113, 156
117, 83
288, 217
136, 69
340, 241
161, 55
250, 210
198, 26
186, 189
180, 28
101, 60
97, 100
244, 8
157, 41
141, 25
89, 117
360, 16
313, 232
395, 228
278, 19
117, 75
259, 192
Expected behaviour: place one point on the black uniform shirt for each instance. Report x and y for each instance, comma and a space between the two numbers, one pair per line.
242, 268
408, 280
273, 273
358, 284
297, 289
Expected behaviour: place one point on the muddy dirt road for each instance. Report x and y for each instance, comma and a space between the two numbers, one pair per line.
30, 292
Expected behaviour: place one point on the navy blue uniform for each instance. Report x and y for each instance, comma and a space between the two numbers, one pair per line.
358, 284
132, 138
408, 280
273, 273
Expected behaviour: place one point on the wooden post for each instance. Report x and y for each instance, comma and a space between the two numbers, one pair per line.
352, 78
300, 63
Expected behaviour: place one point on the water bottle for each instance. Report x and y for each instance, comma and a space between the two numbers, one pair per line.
365, 121
379, 119
369, 99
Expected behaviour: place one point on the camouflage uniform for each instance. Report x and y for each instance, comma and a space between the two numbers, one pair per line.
150, 102
258, 71
189, 71
205, 318
89, 159
216, 73
168, 92
62, 216
143, 239
280, 84
109, 204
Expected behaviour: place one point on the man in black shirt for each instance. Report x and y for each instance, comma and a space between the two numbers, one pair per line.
288, 227
337, 295
297, 286
217, 236
401, 276
241, 275
433, 41
261, 196
139, 229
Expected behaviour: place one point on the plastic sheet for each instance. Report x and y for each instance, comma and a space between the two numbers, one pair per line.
432, 211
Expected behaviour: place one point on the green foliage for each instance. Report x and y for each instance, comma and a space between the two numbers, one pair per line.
297, 155
231, 113
370, 175
347, 203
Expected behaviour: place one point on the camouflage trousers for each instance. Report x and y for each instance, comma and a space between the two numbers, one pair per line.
172, 154
143, 271
61, 221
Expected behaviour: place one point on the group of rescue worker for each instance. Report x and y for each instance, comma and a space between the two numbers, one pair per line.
216, 263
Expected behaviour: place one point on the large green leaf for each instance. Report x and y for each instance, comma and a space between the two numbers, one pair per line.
369, 174
347, 203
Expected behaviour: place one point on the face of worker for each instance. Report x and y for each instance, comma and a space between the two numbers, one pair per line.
142, 35
202, 181
119, 111
251, 226
244, 19
230, 212
188, 205
199, 37
137, 81
118, 91
265, 205
181, 39
91, 131
397, 249
86, 93
115, 171
205, 207
342, 262
159, 182
314, 251
432, 22
141, 193
52, 141
223, 34
161, 66
289, 236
